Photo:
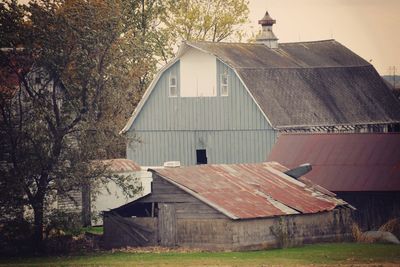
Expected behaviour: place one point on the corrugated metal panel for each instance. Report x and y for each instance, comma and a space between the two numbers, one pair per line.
222, 146
244, 191
232, 127
344, 162
121, 165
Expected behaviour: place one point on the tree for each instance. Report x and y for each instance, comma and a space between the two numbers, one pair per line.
206, 20
50, 121
81, 67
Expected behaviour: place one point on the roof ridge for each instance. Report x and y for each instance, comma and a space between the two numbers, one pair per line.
341, 133
307, 42
228, 43
307, 67
224, 43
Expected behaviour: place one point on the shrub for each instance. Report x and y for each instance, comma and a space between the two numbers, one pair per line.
15, 237
392, 226
60, 223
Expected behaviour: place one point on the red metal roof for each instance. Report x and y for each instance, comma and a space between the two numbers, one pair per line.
121, 165
243, 191
344, 162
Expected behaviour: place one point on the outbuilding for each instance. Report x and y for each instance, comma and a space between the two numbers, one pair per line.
235, 207
363, 169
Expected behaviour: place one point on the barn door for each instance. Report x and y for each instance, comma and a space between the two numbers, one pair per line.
167, 224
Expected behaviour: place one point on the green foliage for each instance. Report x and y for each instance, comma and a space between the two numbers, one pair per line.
60, 223
98, 230
15, 237
54, 128
206, 20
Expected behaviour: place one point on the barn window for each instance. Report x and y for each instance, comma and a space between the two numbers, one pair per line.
201, 156
224, 84
173, 88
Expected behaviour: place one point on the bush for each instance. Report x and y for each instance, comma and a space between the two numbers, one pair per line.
15, 237
392, 226
61, 223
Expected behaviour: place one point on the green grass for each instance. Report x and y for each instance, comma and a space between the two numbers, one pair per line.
93, 230
320, 254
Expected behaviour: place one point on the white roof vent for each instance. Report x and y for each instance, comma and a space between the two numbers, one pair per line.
172, 164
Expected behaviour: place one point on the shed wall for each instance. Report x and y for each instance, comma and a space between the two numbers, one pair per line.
231, 128
227, 234
332, 226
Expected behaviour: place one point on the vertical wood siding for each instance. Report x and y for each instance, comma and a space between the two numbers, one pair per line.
231, 128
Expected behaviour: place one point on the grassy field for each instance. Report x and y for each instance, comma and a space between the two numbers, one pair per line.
349, 254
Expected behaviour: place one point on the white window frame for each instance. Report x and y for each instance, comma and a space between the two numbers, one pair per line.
172, 86
224, 85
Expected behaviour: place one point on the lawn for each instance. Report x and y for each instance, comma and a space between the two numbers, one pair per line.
320, 254
93, 230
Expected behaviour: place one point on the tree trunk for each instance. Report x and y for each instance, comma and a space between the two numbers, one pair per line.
38, 212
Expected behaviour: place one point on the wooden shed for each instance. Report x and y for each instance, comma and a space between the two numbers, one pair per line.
236, 207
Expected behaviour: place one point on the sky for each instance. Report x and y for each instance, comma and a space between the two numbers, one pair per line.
370, 28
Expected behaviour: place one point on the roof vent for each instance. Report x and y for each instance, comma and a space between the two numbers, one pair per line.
299, 171
172, 164
267, 36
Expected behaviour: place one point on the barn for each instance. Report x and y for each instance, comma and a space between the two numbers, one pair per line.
227, 102
235, 207
363, 169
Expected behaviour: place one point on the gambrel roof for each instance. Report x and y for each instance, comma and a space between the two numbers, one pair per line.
309, 83
305, 84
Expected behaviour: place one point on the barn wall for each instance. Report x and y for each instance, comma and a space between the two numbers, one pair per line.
241, 146
231, 128
373, 208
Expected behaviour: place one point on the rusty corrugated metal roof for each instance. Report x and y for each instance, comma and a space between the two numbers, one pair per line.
344, 162
243, 191
121, 165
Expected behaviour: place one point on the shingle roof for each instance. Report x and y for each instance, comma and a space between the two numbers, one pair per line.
327, 53
344, 162
243, 191
309, 83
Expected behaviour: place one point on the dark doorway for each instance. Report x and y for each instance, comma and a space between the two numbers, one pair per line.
201, 156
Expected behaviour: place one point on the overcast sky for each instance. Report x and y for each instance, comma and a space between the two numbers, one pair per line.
369, 28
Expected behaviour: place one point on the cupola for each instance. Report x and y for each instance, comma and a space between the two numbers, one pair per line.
267, 36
